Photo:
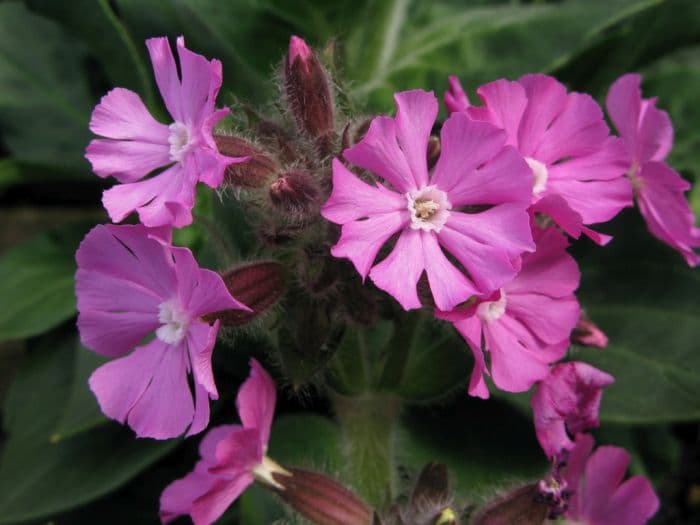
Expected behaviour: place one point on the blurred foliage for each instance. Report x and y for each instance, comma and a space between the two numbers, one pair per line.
62, 462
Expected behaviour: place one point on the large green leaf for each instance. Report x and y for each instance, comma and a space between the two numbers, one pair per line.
40, 477
44, 103
36, 283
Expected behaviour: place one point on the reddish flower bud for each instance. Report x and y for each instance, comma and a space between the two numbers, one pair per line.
522, 506
308, 90
295, 193
322, 500
588, 334
258, 285
251, 174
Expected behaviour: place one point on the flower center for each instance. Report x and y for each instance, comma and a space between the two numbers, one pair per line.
539, 175
179, 140
175, 322
492, 310
429, 208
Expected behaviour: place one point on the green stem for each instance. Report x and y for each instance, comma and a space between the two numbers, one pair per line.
368, 426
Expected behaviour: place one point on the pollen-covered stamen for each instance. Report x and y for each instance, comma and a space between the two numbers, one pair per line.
429, 208
539, 175
492, 310
175, 321
179, 140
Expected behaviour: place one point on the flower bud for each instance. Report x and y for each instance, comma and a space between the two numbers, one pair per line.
455, 98
258, 285
308, 90
522, 506
322, 500
295, 193
588, 334
251, 174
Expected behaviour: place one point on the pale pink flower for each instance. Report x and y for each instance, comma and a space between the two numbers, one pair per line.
647, 135
565, 403
473, 205
598, 494
232, 457
578, 168
131, 285
136, 144
525, 326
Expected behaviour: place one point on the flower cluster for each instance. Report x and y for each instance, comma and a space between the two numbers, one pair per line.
472, 225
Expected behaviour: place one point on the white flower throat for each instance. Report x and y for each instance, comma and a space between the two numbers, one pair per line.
179, 140
492, 310
429, 208
175, 321
539, 175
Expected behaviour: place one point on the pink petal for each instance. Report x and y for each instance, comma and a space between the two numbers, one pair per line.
209, 507
546, 100
655, 133
207, 161
207, 447
167, 78
465, 146
201, 339
415, 117
663, 205
127, 252
634, 503
165, 409
573, 472
504, 104
624, 105
353, 199
178, 497
256, 402
447, 284
455, 98
557, 209
579, 130
125, 160
595, 200
360, 241
604, 472
505, 178
469, 327
379, 152
550, 319
238, 452
119, 384
201, 81
114, 334
165, 199
514, 367
398, 274
121, 114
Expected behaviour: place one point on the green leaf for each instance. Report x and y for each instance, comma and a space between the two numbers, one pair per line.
44, 104
39, 478
36, 289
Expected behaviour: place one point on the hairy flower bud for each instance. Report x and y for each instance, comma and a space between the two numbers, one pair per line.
308, 90
252, 174
322, 500
522, 506
295, 193
258, 285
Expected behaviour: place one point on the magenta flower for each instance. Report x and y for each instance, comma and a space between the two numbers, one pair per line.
136, 144
565, 403
432, 212
526, 325
578, 168
599, 497
130, 285
233, 456
647, 135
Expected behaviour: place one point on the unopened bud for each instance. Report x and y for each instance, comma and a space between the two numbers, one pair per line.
308, 90
251, 174
522, 506
588, 334
295, 193
258, 285
321, 499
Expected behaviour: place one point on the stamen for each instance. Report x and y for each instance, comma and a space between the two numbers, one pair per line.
429, 208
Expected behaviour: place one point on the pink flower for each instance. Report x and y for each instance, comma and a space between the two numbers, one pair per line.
137, 144
599, 497
130, 285
432, 212
233, 456
647, 135
578, 167
566, 402
526, 325
455, 97
587, 333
